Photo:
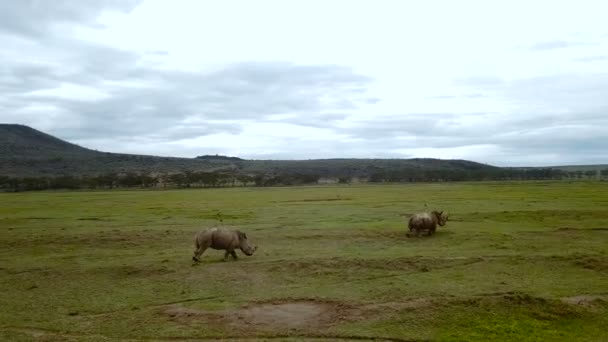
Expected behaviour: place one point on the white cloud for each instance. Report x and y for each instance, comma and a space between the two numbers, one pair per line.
70, 91
511, 83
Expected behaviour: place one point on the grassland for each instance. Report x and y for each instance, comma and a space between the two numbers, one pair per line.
516, 261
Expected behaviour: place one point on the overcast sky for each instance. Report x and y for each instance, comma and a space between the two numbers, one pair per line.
507, 83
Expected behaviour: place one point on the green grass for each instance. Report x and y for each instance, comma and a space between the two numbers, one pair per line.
517, 261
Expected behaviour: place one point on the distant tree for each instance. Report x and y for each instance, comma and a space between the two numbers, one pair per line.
244, 179
178, 179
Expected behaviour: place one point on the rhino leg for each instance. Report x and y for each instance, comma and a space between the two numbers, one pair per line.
230, 253
198, 252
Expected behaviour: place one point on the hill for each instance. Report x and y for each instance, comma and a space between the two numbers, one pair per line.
19, 141
33, 160
25, 151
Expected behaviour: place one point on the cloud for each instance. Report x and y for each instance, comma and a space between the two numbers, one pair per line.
196, 101
544, 121
134, 101
554, 44
493, 138
32, 18
573, 94
563, 115
590, 59
485, 81
443, 97
257, 90
410, 125
84, 91
475, 96
452, 97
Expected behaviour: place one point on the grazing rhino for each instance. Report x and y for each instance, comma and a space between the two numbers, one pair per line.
427, 221
221, 238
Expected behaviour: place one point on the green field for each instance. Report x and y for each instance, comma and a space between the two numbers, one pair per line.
516, 261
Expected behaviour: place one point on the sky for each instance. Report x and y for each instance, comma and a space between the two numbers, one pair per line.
507, 83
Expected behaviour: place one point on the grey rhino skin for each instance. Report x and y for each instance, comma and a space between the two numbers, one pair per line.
221, 238
427, 221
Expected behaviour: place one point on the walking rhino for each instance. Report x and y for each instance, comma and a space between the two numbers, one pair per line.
222, 238
427, 221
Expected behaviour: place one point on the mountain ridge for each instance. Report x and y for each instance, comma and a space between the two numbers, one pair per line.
25, 151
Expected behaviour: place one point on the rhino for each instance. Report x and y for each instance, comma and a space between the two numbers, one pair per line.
222, 238
427, 221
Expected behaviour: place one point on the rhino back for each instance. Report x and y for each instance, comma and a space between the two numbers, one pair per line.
224, 239
203, 237
422, 221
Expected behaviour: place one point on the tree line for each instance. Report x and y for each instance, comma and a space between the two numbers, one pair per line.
223, 179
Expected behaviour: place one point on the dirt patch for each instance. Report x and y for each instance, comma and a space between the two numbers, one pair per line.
289, 316
586, 300
297, 315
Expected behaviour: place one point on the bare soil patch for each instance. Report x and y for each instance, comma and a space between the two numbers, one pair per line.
280, 315
296, 315
586, 300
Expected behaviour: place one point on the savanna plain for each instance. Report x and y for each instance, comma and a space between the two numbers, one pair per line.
524, 261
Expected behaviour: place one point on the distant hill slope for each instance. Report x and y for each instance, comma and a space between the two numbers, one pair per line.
19, 141
359, 167
26, 152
